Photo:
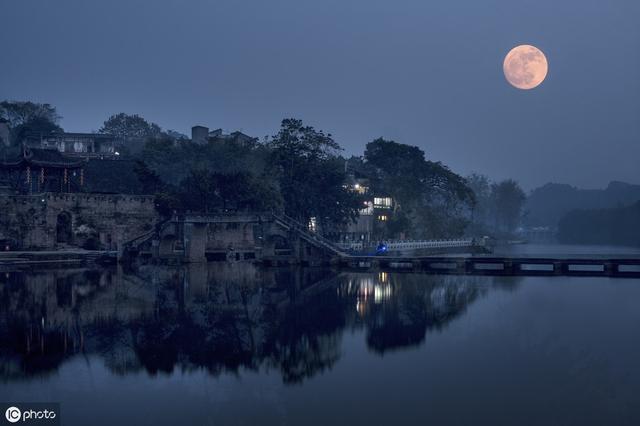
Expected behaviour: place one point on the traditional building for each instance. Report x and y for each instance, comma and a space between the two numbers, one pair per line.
85, 145
35, 170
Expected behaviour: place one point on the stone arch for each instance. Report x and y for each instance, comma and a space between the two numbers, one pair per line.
64, 232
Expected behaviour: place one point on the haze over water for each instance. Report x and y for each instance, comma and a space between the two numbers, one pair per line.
201, 344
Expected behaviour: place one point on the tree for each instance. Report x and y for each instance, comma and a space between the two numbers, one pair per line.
20, 113
214, 176
127, 127
508, 201
198, 191
311, 175
27, 117
481, 187
433, 200
149, 179
207, 191
398, 169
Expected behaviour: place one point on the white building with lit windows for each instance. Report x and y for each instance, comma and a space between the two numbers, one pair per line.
375, 211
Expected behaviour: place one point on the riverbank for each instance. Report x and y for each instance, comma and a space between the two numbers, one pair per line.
52, 258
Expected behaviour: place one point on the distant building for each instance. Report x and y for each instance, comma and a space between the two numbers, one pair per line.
202, 135
199, 134
85, 145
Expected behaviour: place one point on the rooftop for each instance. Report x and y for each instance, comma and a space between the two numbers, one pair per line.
50, 158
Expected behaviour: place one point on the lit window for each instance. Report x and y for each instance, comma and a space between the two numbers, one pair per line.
313, 224
360, 189
382, 218
382, 202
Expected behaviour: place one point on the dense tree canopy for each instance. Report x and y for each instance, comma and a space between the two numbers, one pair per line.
431, 200
499, 206
19, 113
311, 176
509, 201
26, 117
220, 175
206, 191
127, 127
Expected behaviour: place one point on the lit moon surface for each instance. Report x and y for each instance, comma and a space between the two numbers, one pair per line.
525, 67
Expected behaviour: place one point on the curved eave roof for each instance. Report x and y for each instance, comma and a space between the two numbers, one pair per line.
48, 158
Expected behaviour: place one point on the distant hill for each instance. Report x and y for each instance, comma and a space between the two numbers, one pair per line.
549, 203
616, 226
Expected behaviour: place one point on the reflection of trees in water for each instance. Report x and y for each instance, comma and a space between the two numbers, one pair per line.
219, 317
399, 309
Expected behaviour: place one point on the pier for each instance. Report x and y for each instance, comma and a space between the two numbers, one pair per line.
498, 266
277, 240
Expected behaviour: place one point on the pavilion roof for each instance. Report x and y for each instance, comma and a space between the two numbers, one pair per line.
50, 158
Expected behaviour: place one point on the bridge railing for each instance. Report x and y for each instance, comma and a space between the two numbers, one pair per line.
416, 244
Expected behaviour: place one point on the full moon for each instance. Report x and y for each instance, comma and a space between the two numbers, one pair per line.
525, 67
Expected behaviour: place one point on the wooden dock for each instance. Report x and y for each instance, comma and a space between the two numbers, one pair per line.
499, 266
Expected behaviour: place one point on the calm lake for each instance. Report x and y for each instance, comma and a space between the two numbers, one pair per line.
233, 344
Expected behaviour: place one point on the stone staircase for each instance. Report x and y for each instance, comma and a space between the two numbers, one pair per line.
303, 232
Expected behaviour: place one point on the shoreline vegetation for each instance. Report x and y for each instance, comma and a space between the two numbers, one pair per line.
302, 172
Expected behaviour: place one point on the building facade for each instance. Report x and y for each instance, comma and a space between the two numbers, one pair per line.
47, 221
372, 217
35, 170
85, 145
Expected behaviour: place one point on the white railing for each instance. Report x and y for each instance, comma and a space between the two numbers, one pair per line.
416, 244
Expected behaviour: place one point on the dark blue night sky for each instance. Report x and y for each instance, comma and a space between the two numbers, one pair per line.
421, 72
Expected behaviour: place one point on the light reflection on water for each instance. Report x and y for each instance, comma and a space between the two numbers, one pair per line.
234, 344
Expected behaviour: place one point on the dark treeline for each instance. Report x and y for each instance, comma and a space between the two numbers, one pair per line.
298, 171
588, 216
619, 226
547, 205
24, 117
499, 206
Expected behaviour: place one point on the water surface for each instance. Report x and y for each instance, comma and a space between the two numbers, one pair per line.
222, 344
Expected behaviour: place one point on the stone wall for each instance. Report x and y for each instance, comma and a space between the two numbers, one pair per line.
94, 221
222, 236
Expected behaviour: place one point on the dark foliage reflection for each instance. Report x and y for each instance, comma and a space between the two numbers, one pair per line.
218, 317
